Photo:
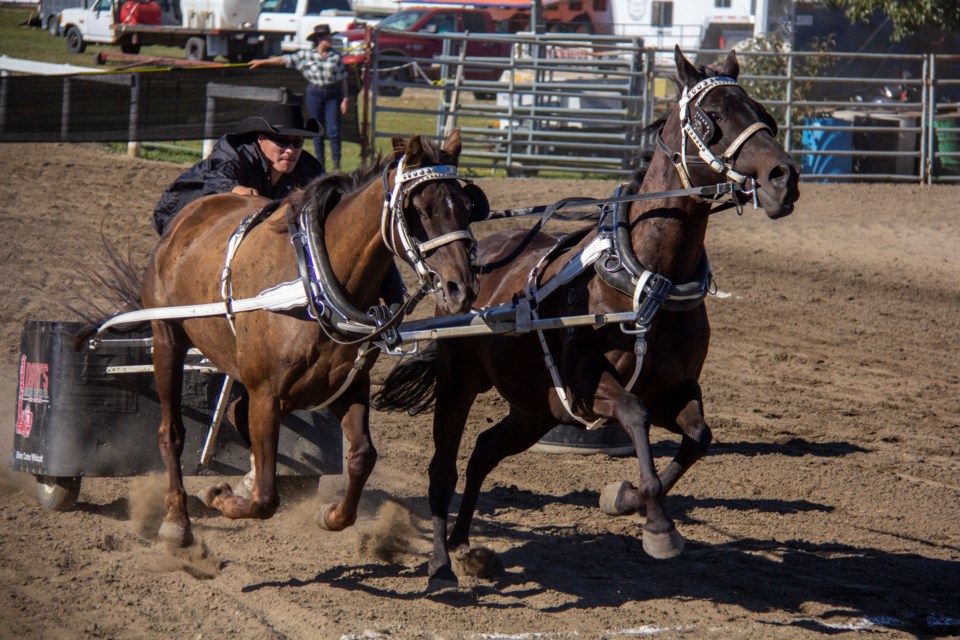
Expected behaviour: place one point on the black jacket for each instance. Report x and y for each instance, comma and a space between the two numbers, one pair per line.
235, 160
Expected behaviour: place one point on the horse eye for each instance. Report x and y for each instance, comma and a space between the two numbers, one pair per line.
714, 116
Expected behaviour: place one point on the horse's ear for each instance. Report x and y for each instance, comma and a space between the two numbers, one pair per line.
731, 68
398, 143
414, 151
453, 144
686, 72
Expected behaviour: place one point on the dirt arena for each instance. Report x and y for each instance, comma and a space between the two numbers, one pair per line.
828, 505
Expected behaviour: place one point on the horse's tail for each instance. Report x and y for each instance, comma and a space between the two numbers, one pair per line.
116, 280
412, 385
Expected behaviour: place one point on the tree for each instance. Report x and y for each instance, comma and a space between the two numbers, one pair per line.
907, 16
764, 69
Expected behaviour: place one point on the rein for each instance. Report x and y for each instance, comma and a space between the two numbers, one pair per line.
713, 192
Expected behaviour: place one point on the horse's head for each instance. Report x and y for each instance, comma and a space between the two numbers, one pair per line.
732, 133
437, 209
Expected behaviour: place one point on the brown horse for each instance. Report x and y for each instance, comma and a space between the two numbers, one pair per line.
637, 374
286, 359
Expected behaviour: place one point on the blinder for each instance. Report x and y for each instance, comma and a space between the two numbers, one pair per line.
479, 205
703, 124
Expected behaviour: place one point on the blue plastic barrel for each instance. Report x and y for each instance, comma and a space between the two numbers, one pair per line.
821, 140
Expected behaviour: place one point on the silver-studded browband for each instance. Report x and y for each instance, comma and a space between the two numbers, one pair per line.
415, 252
724, 164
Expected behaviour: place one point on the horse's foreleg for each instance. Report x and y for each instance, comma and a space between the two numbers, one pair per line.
660, 537
449, 418
361, 458
622, 498
264, 420
169, 350
696, 437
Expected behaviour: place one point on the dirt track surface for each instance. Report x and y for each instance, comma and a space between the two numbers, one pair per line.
829, 503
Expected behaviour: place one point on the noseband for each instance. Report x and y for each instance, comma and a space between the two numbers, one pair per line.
696, 125
413, 251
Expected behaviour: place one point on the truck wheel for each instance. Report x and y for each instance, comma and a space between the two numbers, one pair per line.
391, 75
75, 43
129, 47
57, 494
53, 24
196, 49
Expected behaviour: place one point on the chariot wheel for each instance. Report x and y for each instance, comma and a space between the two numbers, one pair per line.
57, 494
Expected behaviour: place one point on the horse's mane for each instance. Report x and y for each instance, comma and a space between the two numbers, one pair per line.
328, 190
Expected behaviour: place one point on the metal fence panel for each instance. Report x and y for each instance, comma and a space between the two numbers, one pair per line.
577, 104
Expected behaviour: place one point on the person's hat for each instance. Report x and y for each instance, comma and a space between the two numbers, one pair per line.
319, 31
281, 119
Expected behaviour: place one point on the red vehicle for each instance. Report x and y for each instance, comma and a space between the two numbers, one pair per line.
397, 47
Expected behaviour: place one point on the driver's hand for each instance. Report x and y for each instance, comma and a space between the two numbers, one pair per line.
245, 191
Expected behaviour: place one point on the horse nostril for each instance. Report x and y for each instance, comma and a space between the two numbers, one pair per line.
782, 174
454, 293
778, 174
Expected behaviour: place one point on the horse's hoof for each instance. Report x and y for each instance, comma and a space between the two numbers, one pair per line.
663, 546
176, 534
323, 514
442, 578
208, 495
619, 499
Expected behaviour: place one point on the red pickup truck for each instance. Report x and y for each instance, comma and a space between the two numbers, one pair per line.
396, 46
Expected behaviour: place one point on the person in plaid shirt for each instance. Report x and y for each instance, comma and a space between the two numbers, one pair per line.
327, 97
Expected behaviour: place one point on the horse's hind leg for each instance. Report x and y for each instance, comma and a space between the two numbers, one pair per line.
264, 421
514, 434
449, 418
169, 350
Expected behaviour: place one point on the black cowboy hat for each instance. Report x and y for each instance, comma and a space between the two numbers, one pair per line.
319, 31
280, 119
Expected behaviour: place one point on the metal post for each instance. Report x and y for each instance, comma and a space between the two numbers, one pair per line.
788, 142
455, 94
208, 140
929, 119
215, 422
4, 96
133, 137
65, 113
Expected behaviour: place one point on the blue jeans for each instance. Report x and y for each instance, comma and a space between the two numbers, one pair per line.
323, 104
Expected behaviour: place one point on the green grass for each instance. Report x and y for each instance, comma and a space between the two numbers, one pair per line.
17, 40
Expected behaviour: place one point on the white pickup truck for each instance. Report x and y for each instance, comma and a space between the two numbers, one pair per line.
239, 30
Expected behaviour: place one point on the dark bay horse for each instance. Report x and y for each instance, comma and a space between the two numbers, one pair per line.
413, 205
636, 374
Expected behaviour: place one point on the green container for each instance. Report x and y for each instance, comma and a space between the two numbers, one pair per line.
948, 141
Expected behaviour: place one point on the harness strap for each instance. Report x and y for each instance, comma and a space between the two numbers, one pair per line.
365, 350
226, 282
447, 238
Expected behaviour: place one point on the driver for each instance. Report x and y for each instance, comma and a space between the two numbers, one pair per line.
264, 157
